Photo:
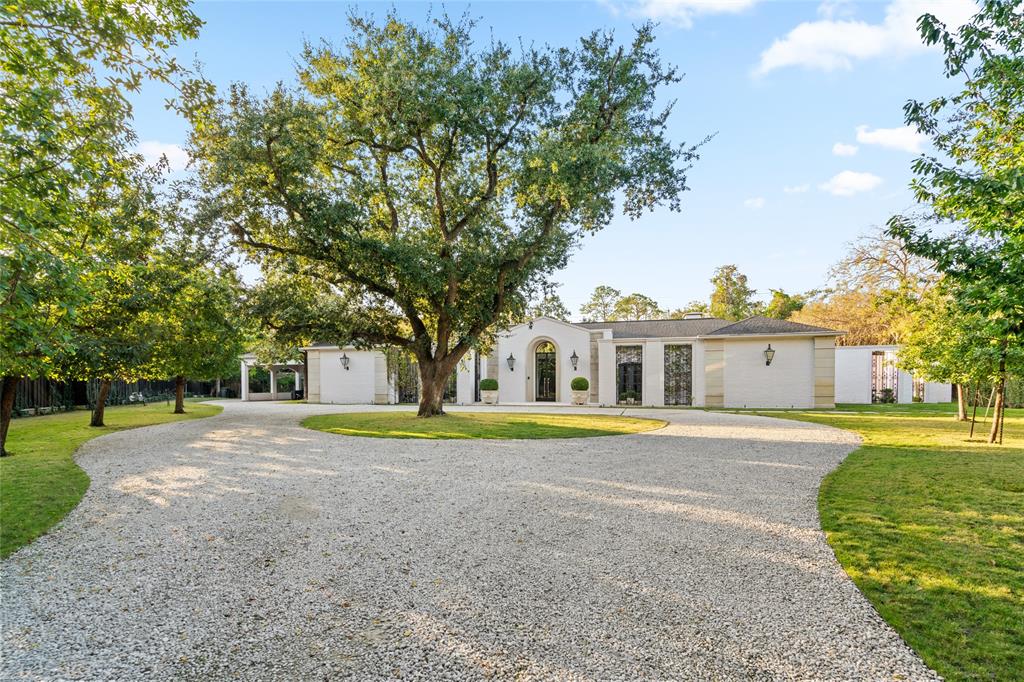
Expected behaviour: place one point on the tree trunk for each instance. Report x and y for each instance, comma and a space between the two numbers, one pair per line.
432, 383
179, 394
961, 403
7, 392
997, 414
101, 404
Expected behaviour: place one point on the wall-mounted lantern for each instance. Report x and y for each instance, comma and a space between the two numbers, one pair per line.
344, 361
511, 363
769, 355
574, 359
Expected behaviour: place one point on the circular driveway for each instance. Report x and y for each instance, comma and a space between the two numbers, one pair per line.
244, 546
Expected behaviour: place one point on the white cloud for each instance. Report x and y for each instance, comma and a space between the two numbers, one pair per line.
152, 150
796, 189
848, 183
842, 149
754, 202
677, 12
905, 139
830, 44
830, 9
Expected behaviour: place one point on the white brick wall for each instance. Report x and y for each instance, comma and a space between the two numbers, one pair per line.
348, 387
787, 382
853, 378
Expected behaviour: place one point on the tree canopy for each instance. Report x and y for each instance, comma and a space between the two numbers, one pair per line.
731, 298
66, 72
435, 186
975, 180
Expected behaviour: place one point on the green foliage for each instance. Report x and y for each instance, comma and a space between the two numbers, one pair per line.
479, 425
601, 306
580, 384
783, 305
691, 307
488, 384
199, 333
977, 179
40, 482
433, 186
731, 298
549, 305
930, 526
66, 70
946, 342
637, 307
113, 332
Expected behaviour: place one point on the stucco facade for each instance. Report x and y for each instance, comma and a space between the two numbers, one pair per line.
692, 362
863, 372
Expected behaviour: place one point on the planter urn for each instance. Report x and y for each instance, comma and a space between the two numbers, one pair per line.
489, 397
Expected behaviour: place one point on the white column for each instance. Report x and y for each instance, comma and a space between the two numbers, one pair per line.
245, 381
273, 384
654, 373
606, 371
298, 381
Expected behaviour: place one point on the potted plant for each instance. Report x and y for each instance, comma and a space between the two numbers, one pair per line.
489, 391
580, 390
629, 397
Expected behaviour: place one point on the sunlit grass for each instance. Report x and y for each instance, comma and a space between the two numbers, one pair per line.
479, 425
930, 525
40, 482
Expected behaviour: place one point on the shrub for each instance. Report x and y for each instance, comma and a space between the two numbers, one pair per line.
580, 384
488, 384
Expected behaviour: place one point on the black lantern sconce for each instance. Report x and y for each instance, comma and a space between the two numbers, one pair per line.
769, 355
511, 363
574, 359
344, 361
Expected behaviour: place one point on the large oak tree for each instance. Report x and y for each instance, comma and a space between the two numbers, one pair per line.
433, 186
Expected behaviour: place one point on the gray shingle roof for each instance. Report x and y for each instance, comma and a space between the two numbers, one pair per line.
767, 325
653, 329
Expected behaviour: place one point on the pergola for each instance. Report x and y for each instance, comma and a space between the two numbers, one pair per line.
249, 360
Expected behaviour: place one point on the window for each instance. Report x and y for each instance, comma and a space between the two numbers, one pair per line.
629, 372
678, 374
884, 377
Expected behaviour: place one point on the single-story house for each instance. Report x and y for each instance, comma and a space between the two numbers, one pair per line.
697, 360
870, 374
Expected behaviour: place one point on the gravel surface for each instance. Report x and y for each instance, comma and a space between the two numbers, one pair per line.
244, 546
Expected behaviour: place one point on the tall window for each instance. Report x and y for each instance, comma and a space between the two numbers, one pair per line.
406, 379
884, 377
678, 374
629, 372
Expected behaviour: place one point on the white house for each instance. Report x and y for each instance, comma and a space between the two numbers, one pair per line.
870, 374
699, 361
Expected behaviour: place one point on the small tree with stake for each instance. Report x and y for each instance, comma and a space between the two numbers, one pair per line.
979, 180
434, 187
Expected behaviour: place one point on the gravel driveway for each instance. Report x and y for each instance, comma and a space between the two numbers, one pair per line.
244, 546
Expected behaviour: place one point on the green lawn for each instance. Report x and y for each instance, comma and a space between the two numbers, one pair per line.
40, 482
489, 425
930, 525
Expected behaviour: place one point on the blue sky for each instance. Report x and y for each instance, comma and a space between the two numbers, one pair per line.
805, 97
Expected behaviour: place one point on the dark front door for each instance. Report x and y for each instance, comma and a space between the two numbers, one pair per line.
631, 382
545, 373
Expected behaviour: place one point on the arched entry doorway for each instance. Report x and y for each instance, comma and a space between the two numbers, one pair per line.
545, 374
